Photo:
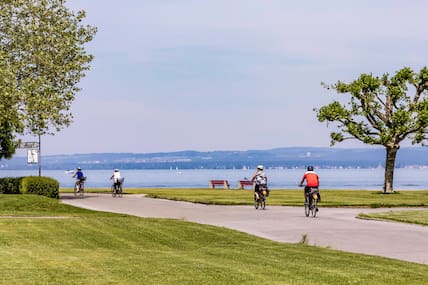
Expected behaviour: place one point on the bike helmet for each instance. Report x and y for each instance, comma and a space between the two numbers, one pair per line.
79, 168
260, 167
310, 168
116, 170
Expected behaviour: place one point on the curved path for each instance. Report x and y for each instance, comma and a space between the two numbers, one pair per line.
336, 228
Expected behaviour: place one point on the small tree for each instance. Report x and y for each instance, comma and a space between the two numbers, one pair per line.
381, 111
43, 58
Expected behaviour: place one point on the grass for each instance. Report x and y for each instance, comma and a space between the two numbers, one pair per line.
76, 246
330, 198
413, 217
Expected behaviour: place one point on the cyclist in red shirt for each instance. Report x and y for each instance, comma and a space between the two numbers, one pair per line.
312, 181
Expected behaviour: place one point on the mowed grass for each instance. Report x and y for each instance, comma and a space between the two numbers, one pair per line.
330, 198
413, 217
45, 242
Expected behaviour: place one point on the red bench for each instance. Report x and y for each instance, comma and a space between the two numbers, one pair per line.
223, 183
243, 183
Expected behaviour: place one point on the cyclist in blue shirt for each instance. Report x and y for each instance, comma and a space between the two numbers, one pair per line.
80, 178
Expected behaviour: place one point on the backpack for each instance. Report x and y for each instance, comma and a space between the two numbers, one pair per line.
261, 179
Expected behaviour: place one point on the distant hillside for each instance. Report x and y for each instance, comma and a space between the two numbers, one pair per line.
292, 157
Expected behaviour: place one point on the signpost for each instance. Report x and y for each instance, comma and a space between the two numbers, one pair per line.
30, 145
32, 156
33, 153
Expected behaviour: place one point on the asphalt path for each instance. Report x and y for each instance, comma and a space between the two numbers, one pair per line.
336, 228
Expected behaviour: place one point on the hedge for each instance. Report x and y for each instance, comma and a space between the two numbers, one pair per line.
39, 185
10, 185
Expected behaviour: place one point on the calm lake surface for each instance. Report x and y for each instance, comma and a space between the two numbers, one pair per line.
367, 179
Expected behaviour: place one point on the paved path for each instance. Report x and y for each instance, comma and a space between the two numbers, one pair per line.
333, 227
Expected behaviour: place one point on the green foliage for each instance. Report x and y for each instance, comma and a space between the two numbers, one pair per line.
7, 143
45, 186
9, 123
42, 59
10, 185
381, 110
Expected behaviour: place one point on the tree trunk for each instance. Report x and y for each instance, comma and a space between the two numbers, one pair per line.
391, 154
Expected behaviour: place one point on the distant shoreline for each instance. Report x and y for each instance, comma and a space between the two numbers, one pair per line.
364, 179
278, 158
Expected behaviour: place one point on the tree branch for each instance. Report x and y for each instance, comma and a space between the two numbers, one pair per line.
420, 88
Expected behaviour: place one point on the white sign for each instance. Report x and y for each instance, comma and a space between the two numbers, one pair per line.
32, 156
28, 145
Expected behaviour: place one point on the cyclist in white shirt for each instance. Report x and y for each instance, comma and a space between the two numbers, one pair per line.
116, 177
260, 180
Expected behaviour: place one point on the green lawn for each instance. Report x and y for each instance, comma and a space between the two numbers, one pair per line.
411, 216
330, 198
45, 242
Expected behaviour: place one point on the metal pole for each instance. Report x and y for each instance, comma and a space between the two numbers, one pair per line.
40, 157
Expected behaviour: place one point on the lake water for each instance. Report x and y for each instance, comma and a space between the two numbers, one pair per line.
369, 179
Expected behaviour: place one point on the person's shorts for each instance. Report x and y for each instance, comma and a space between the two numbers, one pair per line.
308, 189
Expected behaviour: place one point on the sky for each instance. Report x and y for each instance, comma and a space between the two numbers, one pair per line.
207, 75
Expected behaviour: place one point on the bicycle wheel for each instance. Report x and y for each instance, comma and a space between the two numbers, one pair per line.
307, 208
82, 189
120, 191
256, 202
75, 189
314, 207
263, 203
113, 191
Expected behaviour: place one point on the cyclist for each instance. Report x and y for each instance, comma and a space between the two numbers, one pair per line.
312, 181
116, 178
80, 178
260, 180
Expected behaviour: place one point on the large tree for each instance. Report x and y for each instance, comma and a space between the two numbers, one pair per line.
42, 59
383, 111
9, 121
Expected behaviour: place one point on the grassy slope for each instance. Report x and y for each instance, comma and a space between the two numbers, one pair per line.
76, 246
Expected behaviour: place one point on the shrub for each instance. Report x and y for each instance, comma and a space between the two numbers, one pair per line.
10, 185
40, 185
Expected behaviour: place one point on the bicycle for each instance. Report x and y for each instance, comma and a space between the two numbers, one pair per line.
261, 200
311, 202
79, 187
116, 188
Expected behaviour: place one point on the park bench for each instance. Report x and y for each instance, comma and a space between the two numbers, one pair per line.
243, 183
223, 183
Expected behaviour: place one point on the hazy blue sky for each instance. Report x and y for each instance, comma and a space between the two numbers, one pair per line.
229, 74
